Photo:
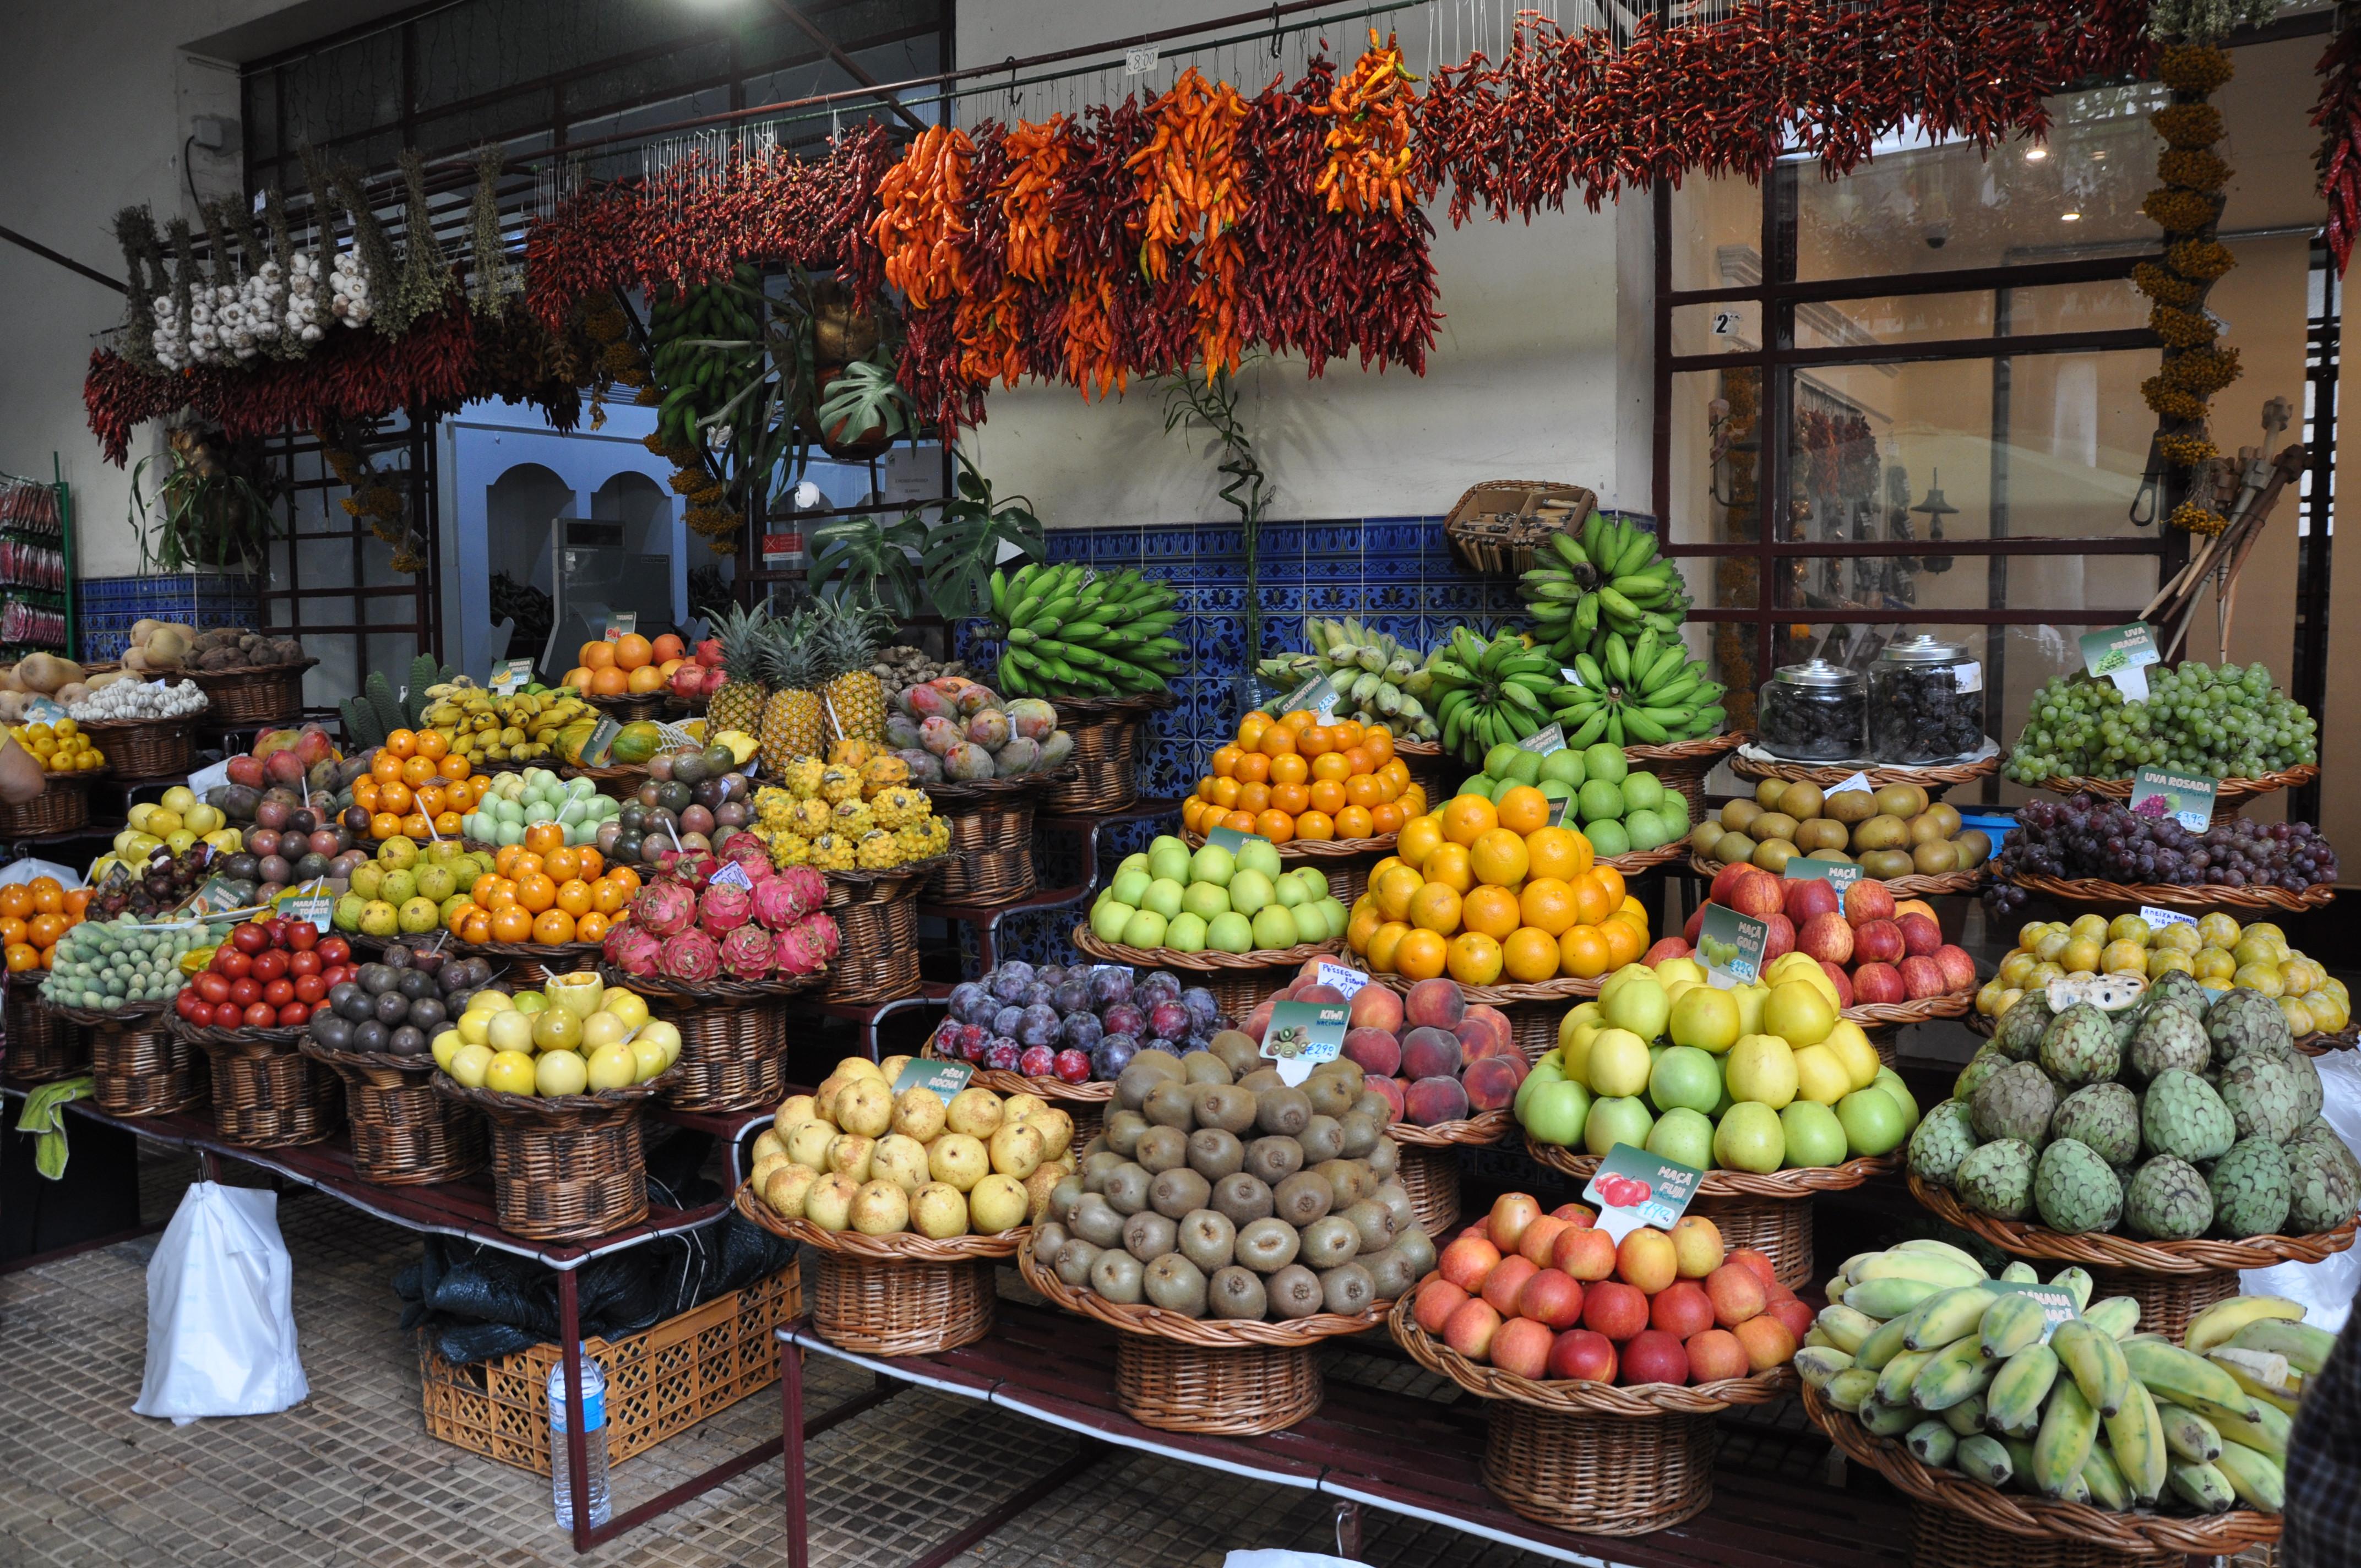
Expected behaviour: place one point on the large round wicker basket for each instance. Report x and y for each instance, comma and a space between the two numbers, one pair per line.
1106, 732
254, 694
1238, 980
733, 1036
1911, 886
1345, 862
1085, 1103
2229, 794
1682, 764
41, 1048
268, 1095
63, 805
1429, 1165
139, 1068
898, 1295
568, 1168
877, 915
1598, 1458
145, 748
991, 823
2118, 898
403, 1133
1430, 768
1754, 763
1177, 1373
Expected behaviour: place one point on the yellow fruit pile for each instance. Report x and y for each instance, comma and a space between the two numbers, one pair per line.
856, 810
522, 727
62, 748
2218, 951
1494, 894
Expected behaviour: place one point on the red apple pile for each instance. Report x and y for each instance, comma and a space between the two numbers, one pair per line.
1873, 949
267, 974
1434, 1058
1546, 1296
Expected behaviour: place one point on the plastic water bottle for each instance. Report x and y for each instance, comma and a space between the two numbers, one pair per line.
594, 1443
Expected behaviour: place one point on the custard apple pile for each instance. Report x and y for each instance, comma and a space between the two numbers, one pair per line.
2185, 1113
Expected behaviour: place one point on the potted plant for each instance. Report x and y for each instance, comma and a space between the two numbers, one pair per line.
214, 505
862, 409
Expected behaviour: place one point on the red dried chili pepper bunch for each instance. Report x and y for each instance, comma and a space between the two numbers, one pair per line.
1577, 112
2338, 115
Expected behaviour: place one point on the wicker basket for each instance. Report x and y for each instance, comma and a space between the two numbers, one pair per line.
2318, 1045
2039, 1519
570, 1167
1892, 1014
1499, 525
2097, 1250
632, 707
1593, 1457
899, 1295
530, 964
63, 805
733, 1036
660, 1381
267, 1096
877, 915
1941, 1539
403, 1133
149, 1072
41, 1048
1106, 732
1238, 980
990, 858
145, 748
254, 694
621, 780
1911, 886
2167, 1300
1751, 761
1183, 1374
1429, 1168
1682, 764
2228, 793
2089, 892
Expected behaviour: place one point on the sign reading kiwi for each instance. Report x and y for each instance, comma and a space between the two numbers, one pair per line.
1634, 1188
1894, 830
1302, 1035
945, 1078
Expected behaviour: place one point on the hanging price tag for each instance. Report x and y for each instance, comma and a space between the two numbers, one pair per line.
1139, 61
621, 624
2057, 1301
2157, 919
2187, 797
1731, 945
1302, 1035
1859, 781
1838, 875
1343, 977
1317, 696
733, 874
511, 674
1547, 739
1634, 1188
2122, 654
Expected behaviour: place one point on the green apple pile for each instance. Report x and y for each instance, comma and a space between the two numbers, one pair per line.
1619, 810
407, 891
1241, 903
1756, 1078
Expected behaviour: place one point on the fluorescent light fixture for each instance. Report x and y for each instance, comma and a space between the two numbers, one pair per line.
2036, 154
2070, 218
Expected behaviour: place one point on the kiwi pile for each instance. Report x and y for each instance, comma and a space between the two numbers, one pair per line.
1891, 832
1218, 1192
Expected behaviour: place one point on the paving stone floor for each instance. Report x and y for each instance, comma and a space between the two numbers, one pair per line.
350, 1477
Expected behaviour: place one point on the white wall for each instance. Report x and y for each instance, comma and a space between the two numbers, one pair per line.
1522, 383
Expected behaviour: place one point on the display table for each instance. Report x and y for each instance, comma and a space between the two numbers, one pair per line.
1364, 1447
464, 1210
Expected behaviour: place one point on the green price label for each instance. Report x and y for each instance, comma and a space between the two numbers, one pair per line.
2122, 654
2187, 797
2057, 1301
621, 624
311, 902
1731, 945
1838, 875
1634, 1188
1304, 1033
945, 1078
595, 749
1233, 840
509, 674
1317, 696
1547, 739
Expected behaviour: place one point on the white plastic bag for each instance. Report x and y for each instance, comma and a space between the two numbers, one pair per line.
27, 870
1281, 1557
2326, 1288
221, 1319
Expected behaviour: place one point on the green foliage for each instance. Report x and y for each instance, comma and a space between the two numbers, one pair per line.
210, 509
1211, 403
865, 398
910, 567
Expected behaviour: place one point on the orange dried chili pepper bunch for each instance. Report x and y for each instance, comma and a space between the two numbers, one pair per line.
1037, 156
919, 226
1196, 195
992, 326
1368, 115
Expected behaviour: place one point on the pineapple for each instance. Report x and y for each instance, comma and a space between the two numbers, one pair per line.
738, 704
846, 635
791, 719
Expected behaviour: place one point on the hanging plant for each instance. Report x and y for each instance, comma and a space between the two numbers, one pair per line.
861, 411
213, 505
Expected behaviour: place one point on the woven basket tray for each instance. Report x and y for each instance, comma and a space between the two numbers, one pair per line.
1874, 1015
1573, 1397
570, 1167
147, 1072
2100, 1249
63, 805
901, 1295
145, 748
1106, 732
1911, 886
1933, 778
2038, 1518
630, 708
2227, 791
1633, 862
719, 990
253, 694
403, 1133
146, 1014
285, 1037
2076, 892
1565, 988
267, 1096
1205, 1333
1472, 1132
529, 963
1792, 1185
1683, 764
952, 797
43, 1048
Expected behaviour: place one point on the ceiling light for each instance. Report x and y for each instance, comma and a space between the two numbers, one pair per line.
2070, 218
2036, 154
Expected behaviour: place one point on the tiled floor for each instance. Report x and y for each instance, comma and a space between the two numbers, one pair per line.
350, 1477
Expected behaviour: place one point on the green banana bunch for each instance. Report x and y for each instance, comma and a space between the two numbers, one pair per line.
1489, 693
1073, 632
703, 353
1919, 1343
1638, 691
1608, 578
1377, 680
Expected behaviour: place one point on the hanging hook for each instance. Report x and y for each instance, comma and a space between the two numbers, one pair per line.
1014, 97
1278, 40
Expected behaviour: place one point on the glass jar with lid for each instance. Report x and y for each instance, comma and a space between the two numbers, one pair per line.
1812, 712
1926, 702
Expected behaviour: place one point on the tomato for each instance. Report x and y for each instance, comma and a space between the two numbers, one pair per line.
245, 991
250, 938
268, 966
277, 927
280, 991
212, 988
229, 1015
186, 1004
319, 1007
334, 951
310, 987
303, 936
294, 1013
303, 961
261, 1015
235, 962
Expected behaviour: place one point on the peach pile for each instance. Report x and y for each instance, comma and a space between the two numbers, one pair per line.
1548, 1296
1433, 1057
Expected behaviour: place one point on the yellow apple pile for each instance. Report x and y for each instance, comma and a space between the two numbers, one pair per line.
855, 1155
577, 1034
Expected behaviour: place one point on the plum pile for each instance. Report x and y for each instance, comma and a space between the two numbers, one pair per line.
1077, 1023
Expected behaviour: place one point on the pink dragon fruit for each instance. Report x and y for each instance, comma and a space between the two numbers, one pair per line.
745, 850
780, 901
823, 930
633, 949
690, 956
665, 908
724, 907
798, 950
746, 952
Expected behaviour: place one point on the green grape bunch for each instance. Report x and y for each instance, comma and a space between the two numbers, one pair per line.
2225, 722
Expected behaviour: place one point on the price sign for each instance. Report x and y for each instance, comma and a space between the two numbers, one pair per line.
213, 900
2057, 1301
1547, 739
1233, 840
621, 623
1731, 945
1634, 1188
2157, 919
1838, 875
945, 1078
2186, 798
211, 778
1343, 977
311, 902
734, 875
1139, 61
1859, 781
1302, 1035
511, 674
601, 743
2122, 654
1316, 696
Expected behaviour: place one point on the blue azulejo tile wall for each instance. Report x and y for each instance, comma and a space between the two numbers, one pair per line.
107, 608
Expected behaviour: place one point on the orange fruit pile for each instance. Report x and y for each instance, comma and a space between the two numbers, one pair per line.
415, 778
33, 916
1294, 777
1494, 894
544, 891
632, 665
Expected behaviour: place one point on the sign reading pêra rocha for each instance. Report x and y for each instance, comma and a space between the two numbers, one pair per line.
945, 1078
